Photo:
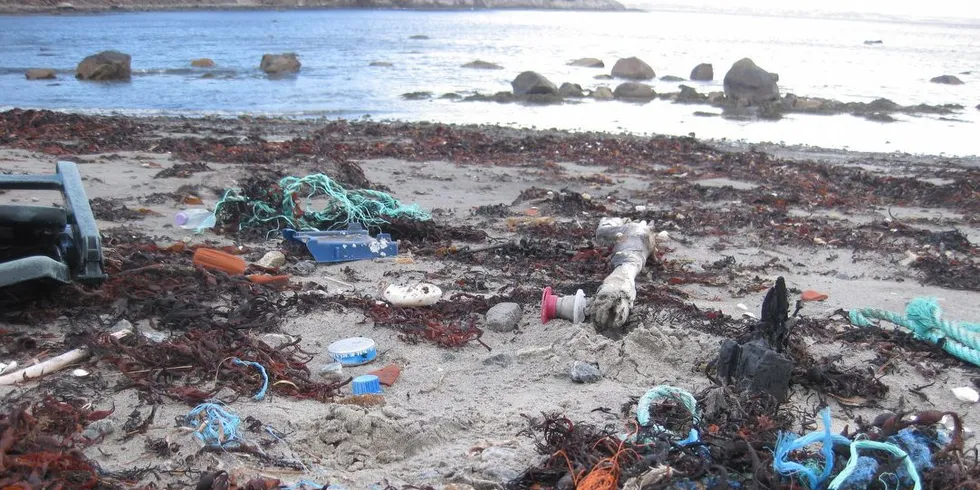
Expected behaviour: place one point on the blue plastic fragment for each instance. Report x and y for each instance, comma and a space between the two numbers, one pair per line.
351, 244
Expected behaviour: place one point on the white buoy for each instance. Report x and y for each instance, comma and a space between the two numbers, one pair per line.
421, 294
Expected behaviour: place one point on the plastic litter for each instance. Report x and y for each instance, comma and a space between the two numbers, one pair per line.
810, 295
367, 384
966, 394
197, 219
353, 351
667, 392
421, 294
79, 373
351, 244
570, 308
388, 374
222, 261
260, 395
214, 425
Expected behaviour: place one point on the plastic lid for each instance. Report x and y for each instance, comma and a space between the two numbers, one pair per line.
180, 219
353, 351
366, 385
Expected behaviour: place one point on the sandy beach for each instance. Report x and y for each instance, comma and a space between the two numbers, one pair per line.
513, 211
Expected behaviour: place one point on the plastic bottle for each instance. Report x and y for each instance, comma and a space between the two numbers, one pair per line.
195, 219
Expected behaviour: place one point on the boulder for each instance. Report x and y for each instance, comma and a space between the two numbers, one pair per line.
671, 78
570, 90
604, 93
689, 94
202, 63
277, 64
633, 69
381, 64
703, 73
947, 80
634, 90
746, 82
530, 83
107, 65
483, 65
41, 74
588, 63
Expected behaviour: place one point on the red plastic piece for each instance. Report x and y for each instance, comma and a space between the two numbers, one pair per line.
549, 305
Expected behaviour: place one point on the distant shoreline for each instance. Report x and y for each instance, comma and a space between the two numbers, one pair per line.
90, 7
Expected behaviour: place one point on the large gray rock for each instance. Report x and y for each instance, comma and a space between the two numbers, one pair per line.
746, 83
278, 64
107, 65
504, 317
588, 63
703, 73
531, 83
603, 93
483, 65
634, 90
947, 80
41, 74
633, 69
584, 372
570, 90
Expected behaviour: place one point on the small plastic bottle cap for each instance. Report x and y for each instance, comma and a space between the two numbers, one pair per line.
366, 385
180, 219
353, 351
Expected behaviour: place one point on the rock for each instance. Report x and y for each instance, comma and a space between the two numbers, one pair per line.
947, 80
276, 340
202, 63
588, 63
603, 77
633, 69
41, 74
500, 464
775, 76
584, 372
450, 96
419, 36
272, 260
99, 428
603, 93
417, 95
483, 65
689, 94
671, 78
878, 41
277, 64
634, 90
570, 90
807, 104
529, 83
502, 360
504, 317
382, 64
978, 107
703, 73
883, 104
107, 65
305, 267
747, 82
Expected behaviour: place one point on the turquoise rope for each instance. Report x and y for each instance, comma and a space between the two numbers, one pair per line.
924, 318
365, 206
260, 395
788, 442
667, 392
881, 446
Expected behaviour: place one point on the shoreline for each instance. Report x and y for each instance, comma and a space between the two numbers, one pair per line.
528, 5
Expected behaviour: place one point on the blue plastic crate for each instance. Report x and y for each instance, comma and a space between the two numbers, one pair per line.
354, 243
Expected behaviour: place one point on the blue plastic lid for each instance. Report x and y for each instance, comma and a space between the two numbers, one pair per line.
366, 385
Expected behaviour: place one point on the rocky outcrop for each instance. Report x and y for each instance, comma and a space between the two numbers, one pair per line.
280, 64
633, 69
748, 84
605, 93
570, 90
532, 83
690, 95
41, 74
203, 63
105, 66
588, 63
947, 80
634, 91
483, 65
703, 73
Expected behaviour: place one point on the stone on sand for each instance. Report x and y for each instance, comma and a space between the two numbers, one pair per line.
584, 372
272, 260
504, 317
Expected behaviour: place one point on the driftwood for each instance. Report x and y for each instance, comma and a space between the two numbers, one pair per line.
52, 365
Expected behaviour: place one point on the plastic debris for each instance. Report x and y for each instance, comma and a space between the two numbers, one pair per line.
353, 351
79, 373
367, 384
214, 425
260, 395
218, 260
421, 294
351, 244
966, 394
810, 295
388, 374
570, 308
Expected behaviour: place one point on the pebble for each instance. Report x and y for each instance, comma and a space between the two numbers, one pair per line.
504, 317
99, 428
276, 340
305, 268
584, 372
502, 360
272, 260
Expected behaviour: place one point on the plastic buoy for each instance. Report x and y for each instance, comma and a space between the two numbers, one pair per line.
353, 351
421, 294
567, 307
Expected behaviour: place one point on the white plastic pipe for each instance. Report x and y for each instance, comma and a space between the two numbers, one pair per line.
54, 364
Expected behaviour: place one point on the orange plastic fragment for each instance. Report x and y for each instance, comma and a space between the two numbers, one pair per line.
388, 374
222, 261
810, 295
267, 279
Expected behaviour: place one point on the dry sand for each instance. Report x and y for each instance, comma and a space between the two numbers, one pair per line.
454, 415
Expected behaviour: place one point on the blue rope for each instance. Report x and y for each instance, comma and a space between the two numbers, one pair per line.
852, 462
215, 426
304, 484
667, 392
787, 442
924, 318
265, 377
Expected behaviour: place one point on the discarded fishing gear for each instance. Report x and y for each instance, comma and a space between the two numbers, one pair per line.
924, 318
290, 204
215, 426
759, 364
666, 393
